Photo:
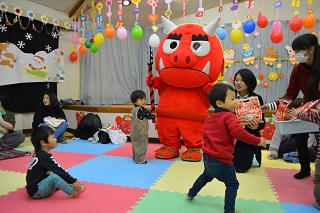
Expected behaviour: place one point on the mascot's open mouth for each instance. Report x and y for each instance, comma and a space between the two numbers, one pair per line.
184, 77
205, 70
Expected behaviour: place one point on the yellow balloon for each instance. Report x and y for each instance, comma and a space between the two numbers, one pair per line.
236, 35
98, 39
73, 49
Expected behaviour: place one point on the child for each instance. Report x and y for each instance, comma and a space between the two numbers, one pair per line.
44, 174
245, 83
2, 113
313, 116
220, 130
139, 126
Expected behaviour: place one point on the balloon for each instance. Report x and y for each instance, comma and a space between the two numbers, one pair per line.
82, 49
295, 24
309, 21
94, 48
221, 33
154, 40
73, 57
276, 36
277, 25
137, 32
77, 47
109, 31
73, 48
122, 33
262, 21
249, 26
74, 37
87, 43
236, 35
98, 39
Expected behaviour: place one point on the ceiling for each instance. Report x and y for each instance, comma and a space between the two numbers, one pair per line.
73, 7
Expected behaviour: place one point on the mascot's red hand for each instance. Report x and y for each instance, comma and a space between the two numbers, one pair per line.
207, 88
155, 80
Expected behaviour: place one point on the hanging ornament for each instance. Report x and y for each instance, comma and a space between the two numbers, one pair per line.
221, 32
109, 30
262, 21
276, 35
309, 20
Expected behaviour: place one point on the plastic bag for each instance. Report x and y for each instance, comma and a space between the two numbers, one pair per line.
117, 136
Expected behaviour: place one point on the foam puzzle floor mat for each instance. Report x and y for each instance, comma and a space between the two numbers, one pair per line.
115, 184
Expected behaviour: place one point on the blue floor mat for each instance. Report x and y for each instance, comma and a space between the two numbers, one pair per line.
86, 147
299, 208
120, 171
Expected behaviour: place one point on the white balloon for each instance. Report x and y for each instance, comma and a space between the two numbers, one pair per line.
154, 40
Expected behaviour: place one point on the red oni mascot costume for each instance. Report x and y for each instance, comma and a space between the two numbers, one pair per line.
189, 59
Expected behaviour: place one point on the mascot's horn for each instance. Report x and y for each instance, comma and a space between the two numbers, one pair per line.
211, 28
168, 25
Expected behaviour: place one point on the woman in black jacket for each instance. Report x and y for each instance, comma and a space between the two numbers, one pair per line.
245, 82
50, 107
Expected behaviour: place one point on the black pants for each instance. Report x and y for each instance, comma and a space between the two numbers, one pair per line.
302, 148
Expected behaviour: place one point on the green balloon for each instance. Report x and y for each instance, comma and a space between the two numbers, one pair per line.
87, 43
137, 32
94, 48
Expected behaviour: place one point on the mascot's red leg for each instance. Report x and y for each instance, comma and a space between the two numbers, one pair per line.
192, 134
169, 136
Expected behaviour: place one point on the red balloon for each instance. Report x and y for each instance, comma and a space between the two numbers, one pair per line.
276, 36
262, 21
73, 57
295, 24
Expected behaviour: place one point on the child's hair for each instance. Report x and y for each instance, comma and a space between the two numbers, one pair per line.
38, 134
295, 104
248, 78
219, 93
136, 95
4, 102
53, 98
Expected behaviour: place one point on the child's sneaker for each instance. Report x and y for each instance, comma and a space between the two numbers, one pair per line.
189, 198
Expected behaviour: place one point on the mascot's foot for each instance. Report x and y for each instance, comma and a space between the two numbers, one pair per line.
192, 155
166, 152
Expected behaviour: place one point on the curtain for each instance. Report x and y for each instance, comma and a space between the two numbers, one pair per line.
120, 66
25, 97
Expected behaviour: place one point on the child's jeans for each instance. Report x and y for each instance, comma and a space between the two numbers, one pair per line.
50, 184
316, 181
60, 130
223, 172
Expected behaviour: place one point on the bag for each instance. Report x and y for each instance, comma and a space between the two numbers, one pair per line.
282, 110
117, 136
53, 122
248, 109
88, 126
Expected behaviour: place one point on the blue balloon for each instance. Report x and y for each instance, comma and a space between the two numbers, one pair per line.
249, 26
221, 33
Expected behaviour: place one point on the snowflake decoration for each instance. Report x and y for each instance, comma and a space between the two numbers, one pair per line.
30, 14
17, 11
3, 28
28, 36
279, 66
44, 19
247, 35
256, 33
48, 48
55, 22
3, 7
21, 44
259, 46
55, 34
67, 25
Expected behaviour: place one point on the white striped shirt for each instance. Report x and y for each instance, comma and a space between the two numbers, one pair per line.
313, 117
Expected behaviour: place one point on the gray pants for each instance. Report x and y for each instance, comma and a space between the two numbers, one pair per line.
139, 148
13, 139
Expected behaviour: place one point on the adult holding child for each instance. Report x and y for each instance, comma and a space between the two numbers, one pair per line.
9, 137
50, 107
305, 77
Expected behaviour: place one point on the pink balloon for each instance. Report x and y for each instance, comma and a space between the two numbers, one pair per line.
77, 47
277, 25
122, 33
74, 37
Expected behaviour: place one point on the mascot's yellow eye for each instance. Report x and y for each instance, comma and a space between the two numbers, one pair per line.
200, 48
170, 45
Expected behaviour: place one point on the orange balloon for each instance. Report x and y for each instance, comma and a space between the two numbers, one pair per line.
109, 31
309, 21
82, 49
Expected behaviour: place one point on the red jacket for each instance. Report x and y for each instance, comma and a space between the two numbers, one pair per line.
220, 131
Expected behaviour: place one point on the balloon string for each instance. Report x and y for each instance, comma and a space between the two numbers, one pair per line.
153, 12
183, 9
137, 15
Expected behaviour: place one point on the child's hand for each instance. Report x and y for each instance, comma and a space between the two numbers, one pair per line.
265, 108
293, 112
263, 142
253, 125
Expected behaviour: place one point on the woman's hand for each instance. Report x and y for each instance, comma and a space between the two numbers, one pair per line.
3, 130
265, 108
293, 112
253, 125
